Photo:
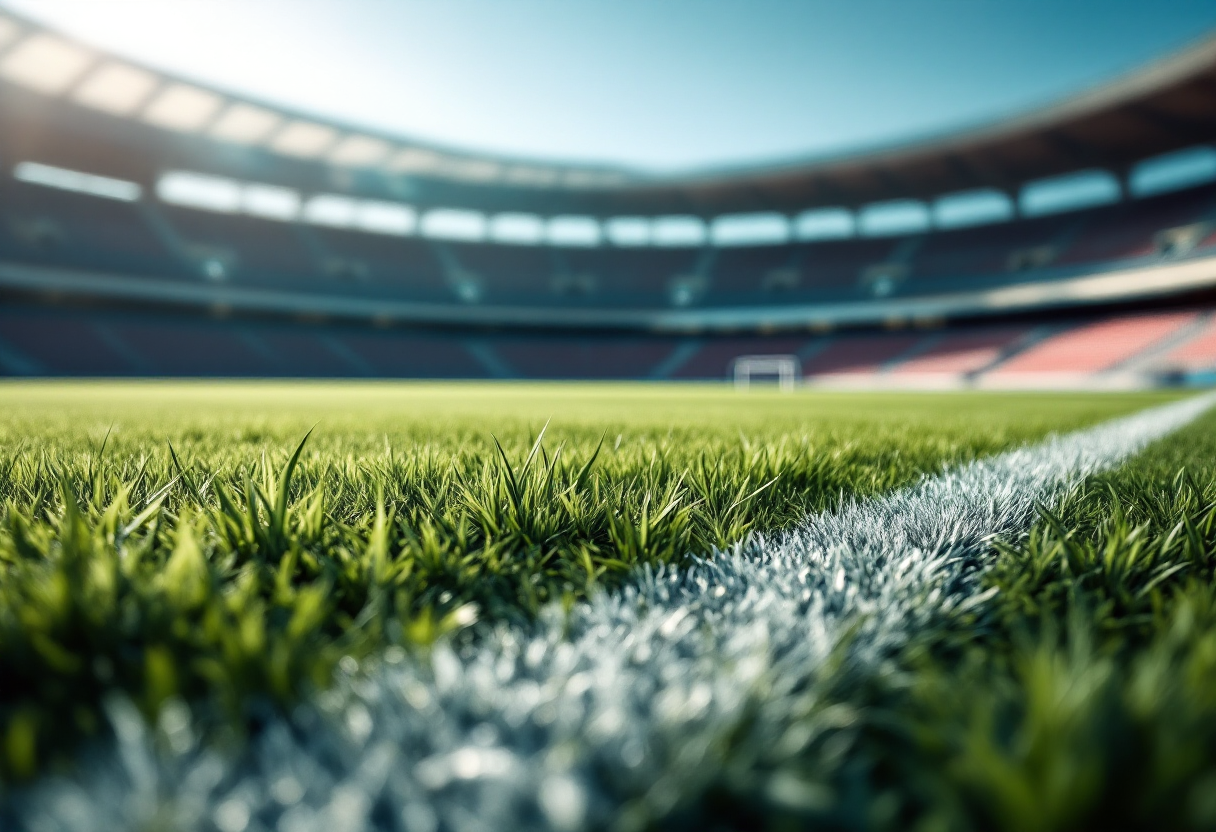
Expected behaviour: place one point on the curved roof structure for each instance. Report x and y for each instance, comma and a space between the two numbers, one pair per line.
1165, 106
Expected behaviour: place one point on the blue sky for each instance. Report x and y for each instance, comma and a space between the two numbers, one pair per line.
668, 85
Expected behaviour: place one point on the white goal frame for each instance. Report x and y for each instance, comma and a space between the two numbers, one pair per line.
787, 369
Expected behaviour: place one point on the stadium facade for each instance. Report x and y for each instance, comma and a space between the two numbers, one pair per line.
153, 226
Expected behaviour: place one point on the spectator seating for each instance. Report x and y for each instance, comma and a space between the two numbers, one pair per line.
1096, 347
963, 354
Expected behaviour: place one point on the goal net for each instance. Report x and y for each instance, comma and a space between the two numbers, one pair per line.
782, 369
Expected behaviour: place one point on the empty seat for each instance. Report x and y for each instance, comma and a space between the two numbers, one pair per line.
858, 354
1095, 347
52, 227
961, 354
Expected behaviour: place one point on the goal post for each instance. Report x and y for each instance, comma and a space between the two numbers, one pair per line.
785, 369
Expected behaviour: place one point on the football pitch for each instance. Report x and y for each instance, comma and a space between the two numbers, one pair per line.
245, 606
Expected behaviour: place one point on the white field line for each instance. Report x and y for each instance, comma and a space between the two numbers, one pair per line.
607, 717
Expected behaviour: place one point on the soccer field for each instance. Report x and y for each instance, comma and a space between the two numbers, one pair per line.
393, 606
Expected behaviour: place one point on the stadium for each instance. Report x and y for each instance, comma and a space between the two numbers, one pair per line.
355, 481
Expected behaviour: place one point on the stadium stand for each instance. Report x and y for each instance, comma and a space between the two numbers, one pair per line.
111, 265
1094, 347
1196, 353
964, 354
859, 355
46, 226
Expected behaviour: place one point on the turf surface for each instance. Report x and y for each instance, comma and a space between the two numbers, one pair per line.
182, 541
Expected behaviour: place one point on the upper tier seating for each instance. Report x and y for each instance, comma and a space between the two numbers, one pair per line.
629, 276
261, 251
509, 274
397, 266
1130, 229
43, 225
993, 249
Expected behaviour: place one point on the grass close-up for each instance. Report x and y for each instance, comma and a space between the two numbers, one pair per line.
227, 550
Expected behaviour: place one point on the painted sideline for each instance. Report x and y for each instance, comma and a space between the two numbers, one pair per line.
612, 714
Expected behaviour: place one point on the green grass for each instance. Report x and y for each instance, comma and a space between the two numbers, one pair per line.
185, 541
1088, 700
1082, 697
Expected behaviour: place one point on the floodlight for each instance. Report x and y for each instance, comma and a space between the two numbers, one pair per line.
893, 218
182, 107
71, 180
115, 88
454, 224
416, 160
270, 201
678, 231
1070, 192
967, 208
750, 229
574, 231
303, 139
244, 124
8, 31
825, 224
386, 217
628, 231
330, 209
1173, 171
358, 151
522, 229
44, 63
198, 190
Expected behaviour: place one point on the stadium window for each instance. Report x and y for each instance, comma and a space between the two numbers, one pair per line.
825, 224
45, 64
270, 202
303, 139
454, 224
583, 232
385, 218
358, 151
181, 107
244, 124
628, 231
967, 208
750, 229
1173, 171
71, 180
115, 88
898, 216
197, 190
677, 231
1069, 193
517, 229
330, 209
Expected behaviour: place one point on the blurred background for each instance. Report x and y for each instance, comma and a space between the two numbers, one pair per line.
873, 194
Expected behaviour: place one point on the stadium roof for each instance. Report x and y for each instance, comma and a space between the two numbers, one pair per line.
1165, 106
